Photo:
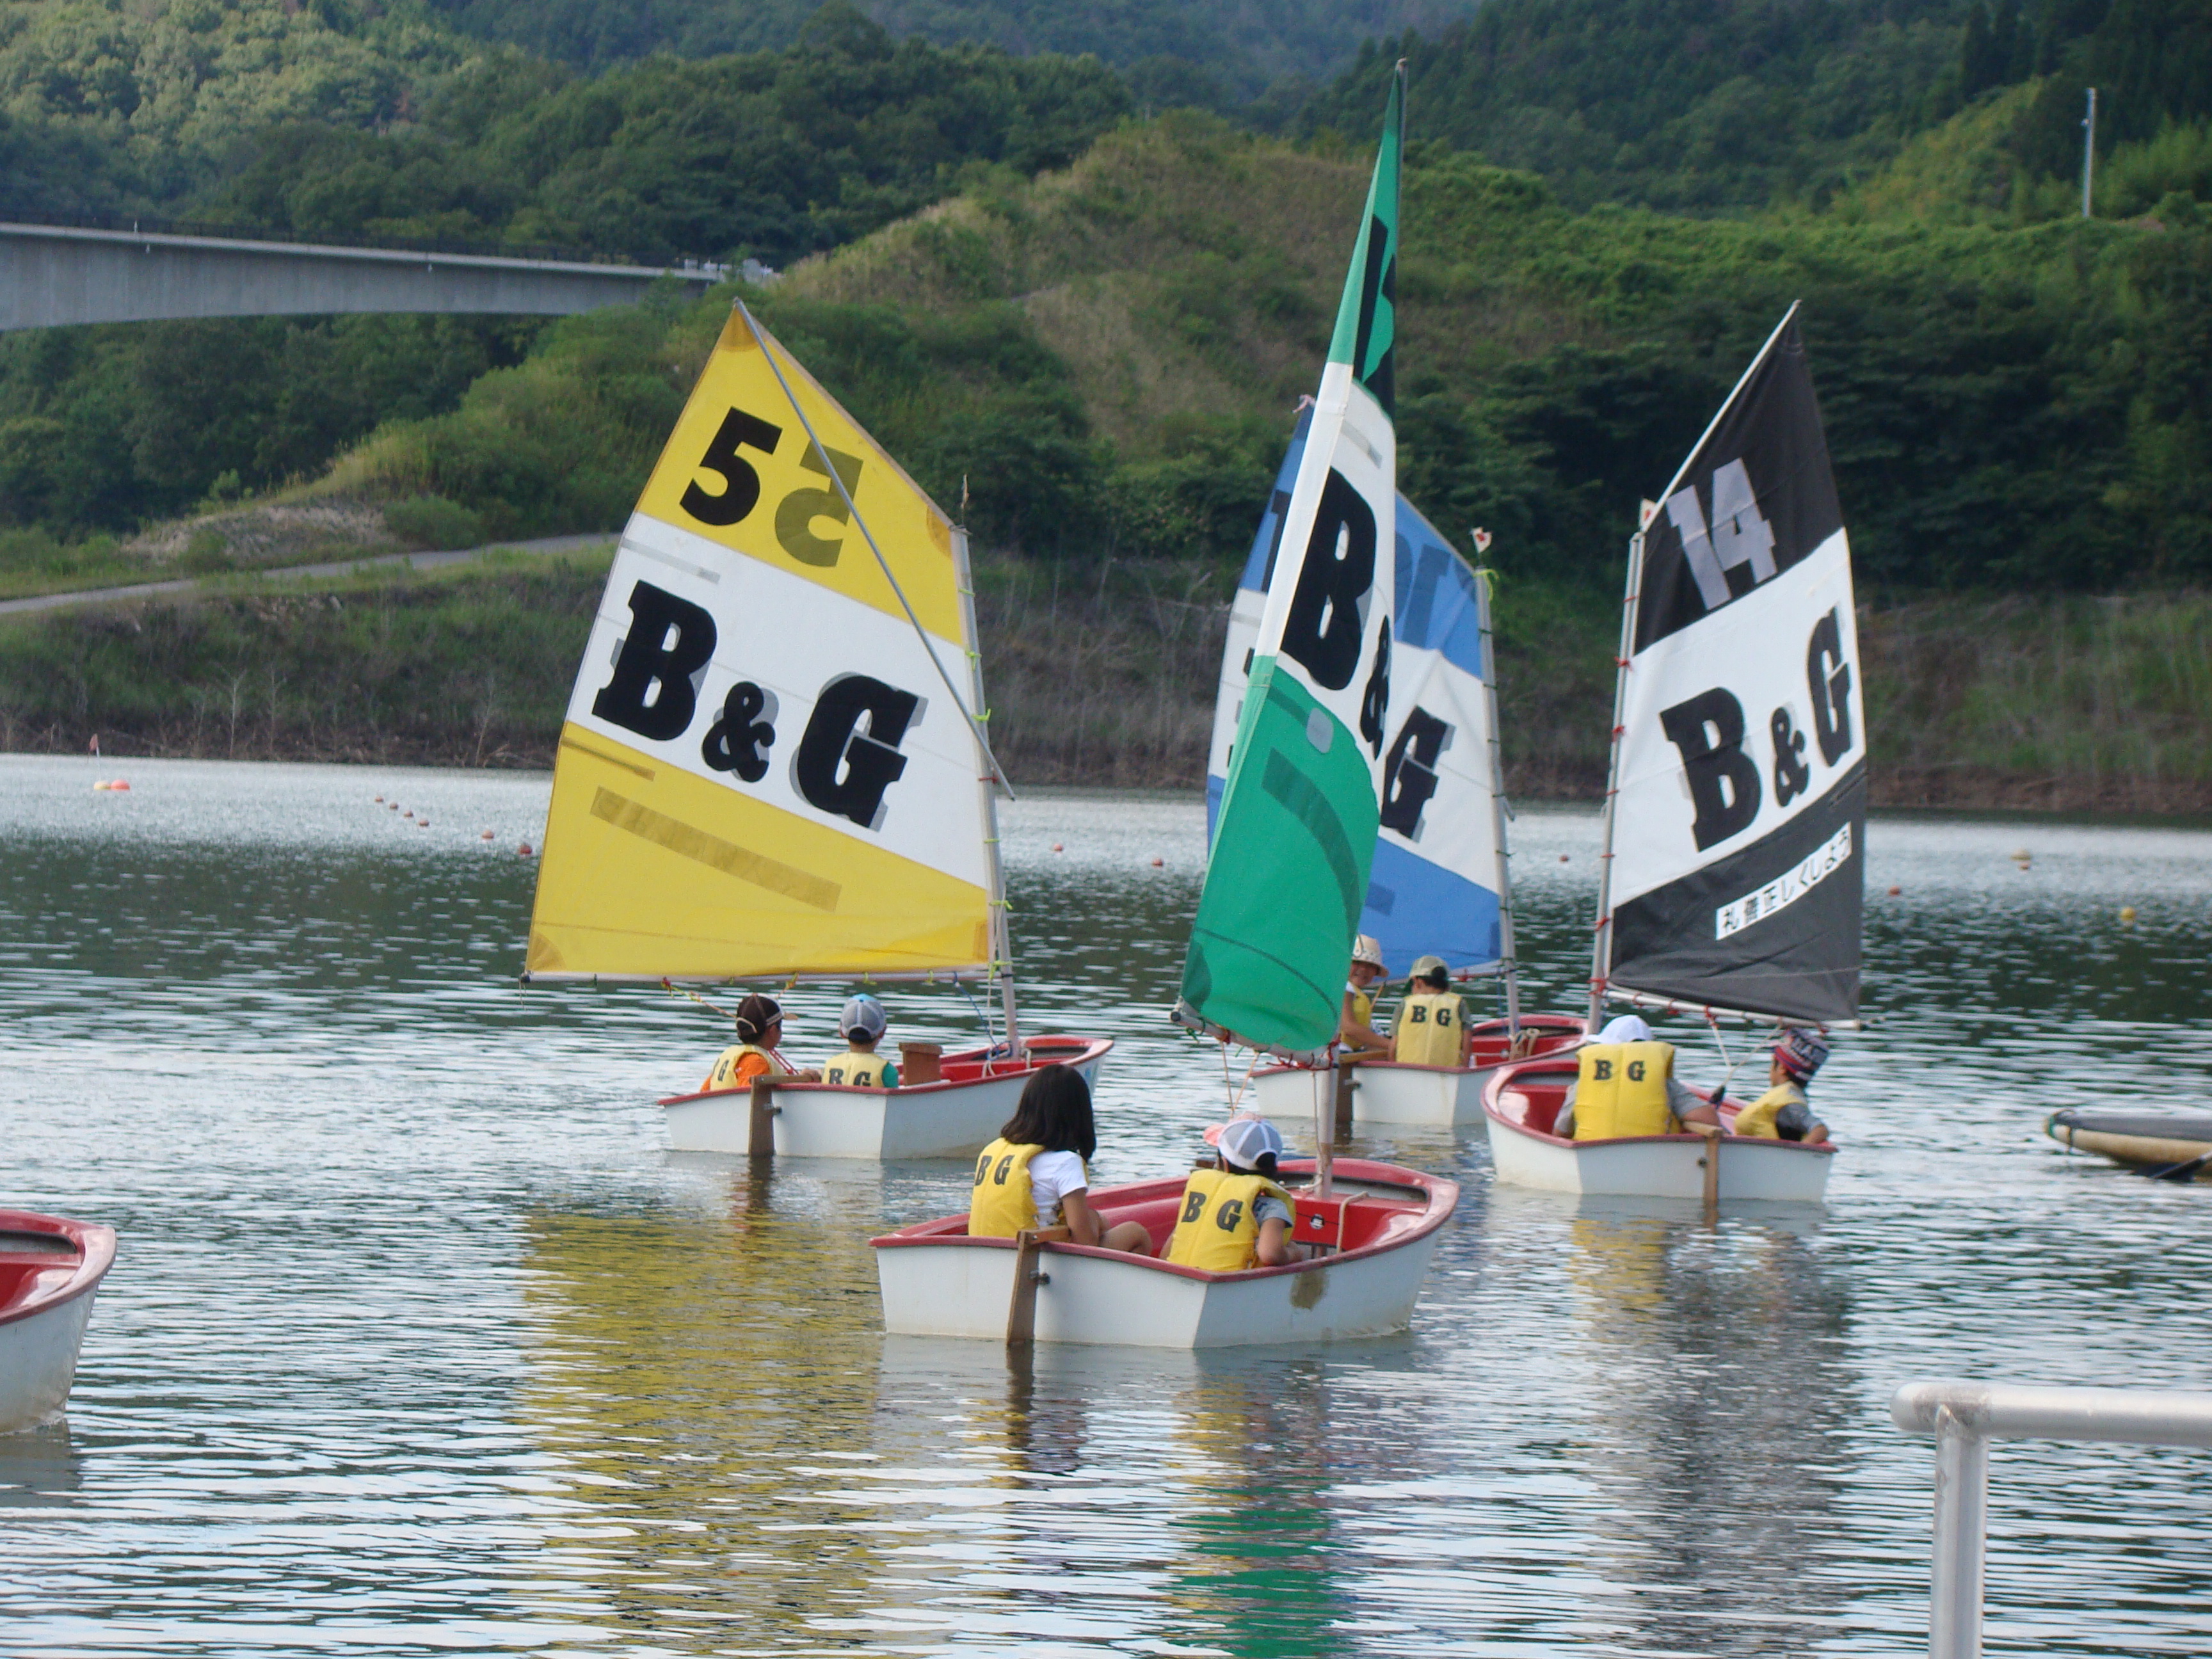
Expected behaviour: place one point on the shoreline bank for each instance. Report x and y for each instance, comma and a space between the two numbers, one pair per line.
1097, 677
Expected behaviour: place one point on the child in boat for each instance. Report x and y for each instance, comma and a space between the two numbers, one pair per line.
1679, 1105
861, 1025
1783, 1112
1356, 1031
755, 1054
1235, 1216
1431, 1029
1036, 1174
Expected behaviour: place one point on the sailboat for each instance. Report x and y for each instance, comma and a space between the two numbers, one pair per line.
774, 765
1739, 760
1294, 839
1441, 885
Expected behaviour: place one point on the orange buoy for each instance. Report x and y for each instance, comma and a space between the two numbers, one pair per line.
394, 807
487, 834
121, 783
1057, 848
1563, 858
1894, 892
1159, 863
379, 800
423, 823
524, 849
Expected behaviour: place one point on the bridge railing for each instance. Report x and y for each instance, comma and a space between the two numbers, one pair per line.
149, 225
1965, 1417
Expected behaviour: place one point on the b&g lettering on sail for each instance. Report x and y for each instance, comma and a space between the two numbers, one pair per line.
757, 705
1743, 770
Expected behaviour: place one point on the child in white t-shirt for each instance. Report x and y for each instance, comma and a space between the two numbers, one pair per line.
1053, 1136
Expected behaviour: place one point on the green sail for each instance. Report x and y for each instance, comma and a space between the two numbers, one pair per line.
1295, 839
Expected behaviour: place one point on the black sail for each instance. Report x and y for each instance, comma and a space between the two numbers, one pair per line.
1740, 826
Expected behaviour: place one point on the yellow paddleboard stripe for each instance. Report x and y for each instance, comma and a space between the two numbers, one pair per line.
577, 743
713, 851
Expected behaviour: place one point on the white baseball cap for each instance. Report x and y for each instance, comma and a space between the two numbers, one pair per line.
1245, 1141
1627, 1029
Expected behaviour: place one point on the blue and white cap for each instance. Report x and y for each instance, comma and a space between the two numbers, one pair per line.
862, 1016
1245, 1141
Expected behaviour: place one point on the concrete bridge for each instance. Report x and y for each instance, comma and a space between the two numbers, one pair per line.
52, 274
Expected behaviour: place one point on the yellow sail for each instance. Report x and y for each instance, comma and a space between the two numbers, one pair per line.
762, 771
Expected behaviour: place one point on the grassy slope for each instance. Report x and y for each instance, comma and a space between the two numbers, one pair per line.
1180, 274
1100, 677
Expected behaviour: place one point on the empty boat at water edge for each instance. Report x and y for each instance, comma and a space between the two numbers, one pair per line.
50, 1268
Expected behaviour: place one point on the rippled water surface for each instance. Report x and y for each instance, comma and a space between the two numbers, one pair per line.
420, 1342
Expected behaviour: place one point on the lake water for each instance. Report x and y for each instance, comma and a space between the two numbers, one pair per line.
419, 1342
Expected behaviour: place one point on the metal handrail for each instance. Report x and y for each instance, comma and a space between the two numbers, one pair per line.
1965, 1417
147, 224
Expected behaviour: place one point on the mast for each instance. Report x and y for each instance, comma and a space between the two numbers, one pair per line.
1602, 951
1498, 815
988, 784
990, 775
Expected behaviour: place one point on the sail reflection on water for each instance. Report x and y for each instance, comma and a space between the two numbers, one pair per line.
1255, 1532
688, 1362
1706, 1379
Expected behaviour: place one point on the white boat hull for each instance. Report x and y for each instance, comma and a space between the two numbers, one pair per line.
1670, 1166
936, 1281
50, 1268
38, 1363
1753, 1169
936, 1120
1387, 1091
950, 1291
1382, 1092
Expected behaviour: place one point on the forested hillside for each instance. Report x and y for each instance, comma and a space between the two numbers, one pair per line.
1107, 362
1226, 50
1713, 105
1104, 357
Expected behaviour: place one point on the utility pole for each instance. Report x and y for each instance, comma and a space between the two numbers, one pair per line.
2089, 154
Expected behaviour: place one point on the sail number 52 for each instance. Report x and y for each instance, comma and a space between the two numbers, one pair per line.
795, 514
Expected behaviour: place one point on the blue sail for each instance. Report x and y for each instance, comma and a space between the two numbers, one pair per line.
1434, 887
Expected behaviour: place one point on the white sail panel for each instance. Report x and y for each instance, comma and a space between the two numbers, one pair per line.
1244, 608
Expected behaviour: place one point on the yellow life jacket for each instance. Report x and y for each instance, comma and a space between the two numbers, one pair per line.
1003, 1203
725, 1074
1428, 1028
1621, 1090
855, 1070
1215, 1230
1758, 1118
1362, 1006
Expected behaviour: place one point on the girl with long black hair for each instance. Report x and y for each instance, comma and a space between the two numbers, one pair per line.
1034, 1174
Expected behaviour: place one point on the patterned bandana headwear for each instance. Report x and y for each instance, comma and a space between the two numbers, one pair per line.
1801, 1053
